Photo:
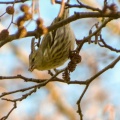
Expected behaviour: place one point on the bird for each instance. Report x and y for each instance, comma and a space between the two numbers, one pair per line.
54, 48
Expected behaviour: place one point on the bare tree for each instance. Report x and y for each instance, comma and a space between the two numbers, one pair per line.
98, 18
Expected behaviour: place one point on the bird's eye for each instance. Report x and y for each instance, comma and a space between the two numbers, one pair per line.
33, 59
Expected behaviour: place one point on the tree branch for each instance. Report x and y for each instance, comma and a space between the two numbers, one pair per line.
16, 1
88, 81
72, 18
105, 45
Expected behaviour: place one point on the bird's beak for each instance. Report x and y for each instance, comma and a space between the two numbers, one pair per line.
31, 68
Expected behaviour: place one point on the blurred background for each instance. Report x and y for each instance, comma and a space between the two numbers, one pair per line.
57, 101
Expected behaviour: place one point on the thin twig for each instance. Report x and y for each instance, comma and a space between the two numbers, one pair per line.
43, 83
88, 81
95, 32
78, 102
81, 5
23, 96
14, 107
12, 2
107, 46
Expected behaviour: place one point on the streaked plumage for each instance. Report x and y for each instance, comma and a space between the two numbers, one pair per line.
54, 48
